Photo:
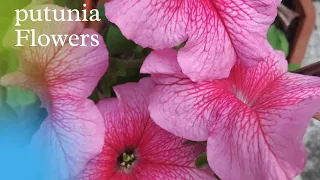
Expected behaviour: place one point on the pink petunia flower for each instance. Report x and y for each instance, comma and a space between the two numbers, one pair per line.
135, 147
63, 77
217, 32
253, 121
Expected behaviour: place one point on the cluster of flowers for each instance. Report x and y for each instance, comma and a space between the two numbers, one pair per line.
226, 86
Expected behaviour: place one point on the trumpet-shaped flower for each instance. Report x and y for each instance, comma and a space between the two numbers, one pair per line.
217, 32
254, 120
135, 147
63, 77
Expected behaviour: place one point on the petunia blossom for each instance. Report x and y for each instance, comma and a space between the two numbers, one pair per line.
135, 147
253, 121
63, 77
216, 32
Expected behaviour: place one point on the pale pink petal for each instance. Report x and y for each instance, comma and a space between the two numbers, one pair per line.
255, 119
177, 104
247, 84
63, 77
264, 140
163, 66
160, 155
56, 70
162, 62
155, 24
217, 31
70, 136
245, 144
260, 136
184, 108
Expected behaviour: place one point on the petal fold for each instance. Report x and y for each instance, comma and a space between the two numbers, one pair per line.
71, 135
160, 155
217, 32
253, 121
54, 70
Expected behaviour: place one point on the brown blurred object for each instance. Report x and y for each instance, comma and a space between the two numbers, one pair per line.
311, 70
286, 16
96, 25
306, 24
317, 116
89, 6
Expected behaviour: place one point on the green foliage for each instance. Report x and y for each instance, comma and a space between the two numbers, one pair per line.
201, 160
71, 4
102, 12
18, 97
14, 97
179, 47
120, 71
278, 40
7, 7
293, 67
5, 23
116, 42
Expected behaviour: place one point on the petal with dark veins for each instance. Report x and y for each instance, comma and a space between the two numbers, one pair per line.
69, 137
260, 143
217, 31
55, 70
254, 120
159, 154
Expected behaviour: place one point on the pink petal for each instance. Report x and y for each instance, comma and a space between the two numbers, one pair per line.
255, 119
184, 108
264, 141
52, 71
217, 31
162, 62
163, 66
278, 1
70, 136
63, 77
252, 146
160, 154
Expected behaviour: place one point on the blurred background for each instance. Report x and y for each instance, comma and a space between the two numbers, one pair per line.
296, 32
312, 138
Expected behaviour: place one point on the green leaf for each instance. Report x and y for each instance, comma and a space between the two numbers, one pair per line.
4, 26
12, 61
179, 47
116, 42
94, 96
18, 97
15, 97
293, 67
278, 39
7, 8
201, 160
102, 12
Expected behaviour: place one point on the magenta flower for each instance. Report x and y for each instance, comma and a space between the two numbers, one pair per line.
135, 147
217, 31
63, 77
254, 120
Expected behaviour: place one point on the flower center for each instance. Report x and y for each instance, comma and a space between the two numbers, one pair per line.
241, 97
127, 159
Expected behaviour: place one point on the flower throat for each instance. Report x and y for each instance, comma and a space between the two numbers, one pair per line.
126, 159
